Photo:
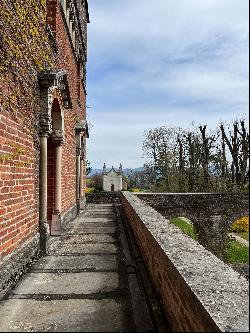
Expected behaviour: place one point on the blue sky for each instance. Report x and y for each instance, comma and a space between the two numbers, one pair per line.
162, 62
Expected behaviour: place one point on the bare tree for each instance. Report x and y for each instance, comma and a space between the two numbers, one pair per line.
237, 142
197, 160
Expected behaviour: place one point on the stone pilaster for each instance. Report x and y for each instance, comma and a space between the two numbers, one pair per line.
58, 140
81, 131
82, 165
78, 163
45, 130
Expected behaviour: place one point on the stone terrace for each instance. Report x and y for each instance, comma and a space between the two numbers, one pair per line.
84, 284
119, 266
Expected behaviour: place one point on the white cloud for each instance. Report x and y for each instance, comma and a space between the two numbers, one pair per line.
158, 62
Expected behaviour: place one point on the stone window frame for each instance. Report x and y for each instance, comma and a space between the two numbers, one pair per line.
68, 9
69, 12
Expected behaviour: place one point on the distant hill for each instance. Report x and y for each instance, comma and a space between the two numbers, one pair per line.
126, 171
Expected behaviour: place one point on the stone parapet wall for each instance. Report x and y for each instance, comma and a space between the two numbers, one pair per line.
211, 213
103, 197
170, 204
197, 290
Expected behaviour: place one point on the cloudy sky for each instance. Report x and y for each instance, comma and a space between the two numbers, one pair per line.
162, 62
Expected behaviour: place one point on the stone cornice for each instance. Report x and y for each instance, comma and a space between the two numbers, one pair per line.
56, 78
58, 137
82, 127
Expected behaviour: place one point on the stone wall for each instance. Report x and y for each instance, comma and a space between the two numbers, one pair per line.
103, 197
211, 213
197, 290
16, 263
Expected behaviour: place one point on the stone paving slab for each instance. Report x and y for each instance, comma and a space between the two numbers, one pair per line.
95, 262
93, 230
99, 215
72, 315
99, 205
81, 286
105, 248
68, 283
87, 224
92, 238
98, 219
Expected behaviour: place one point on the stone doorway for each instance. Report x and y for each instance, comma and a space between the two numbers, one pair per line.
112, 188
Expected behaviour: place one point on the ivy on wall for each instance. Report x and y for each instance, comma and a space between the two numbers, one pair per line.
25, 50
15, 156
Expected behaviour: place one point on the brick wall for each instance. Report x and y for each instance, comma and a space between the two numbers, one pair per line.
25, 50
18, 185
67, 61
22, 56
197, 290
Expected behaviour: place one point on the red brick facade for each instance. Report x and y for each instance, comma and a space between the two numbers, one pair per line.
46, 41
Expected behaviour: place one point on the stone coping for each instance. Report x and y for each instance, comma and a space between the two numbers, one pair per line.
223, 292
188, 193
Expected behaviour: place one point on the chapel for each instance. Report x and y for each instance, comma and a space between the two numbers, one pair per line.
113, 180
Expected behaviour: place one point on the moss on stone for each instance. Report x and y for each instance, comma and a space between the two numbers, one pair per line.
185, 227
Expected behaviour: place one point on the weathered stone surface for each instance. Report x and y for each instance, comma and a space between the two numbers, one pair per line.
77, 292
15, 264
72, 315
87, 248
69, 215
72, 283
93, 230
92, 238
87, 262
211, 213
189, 279
103, 198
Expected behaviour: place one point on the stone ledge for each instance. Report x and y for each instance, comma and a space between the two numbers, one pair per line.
69, 215
200, 280
13, 265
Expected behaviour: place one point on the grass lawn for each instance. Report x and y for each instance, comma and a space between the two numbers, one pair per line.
185, 227
236, 253
244, 235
